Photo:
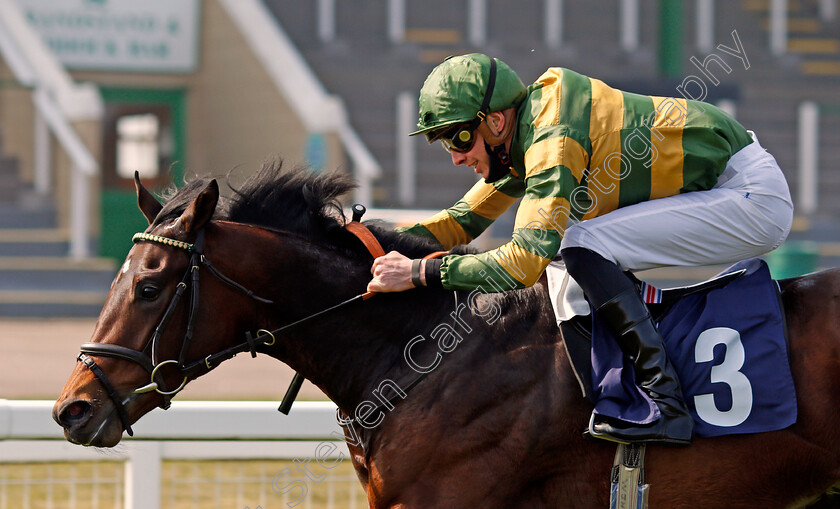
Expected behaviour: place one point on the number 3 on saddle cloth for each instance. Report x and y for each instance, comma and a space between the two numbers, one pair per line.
726, 338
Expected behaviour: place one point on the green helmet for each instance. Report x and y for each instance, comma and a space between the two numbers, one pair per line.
455, 90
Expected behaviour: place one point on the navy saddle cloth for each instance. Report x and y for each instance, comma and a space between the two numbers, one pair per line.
726, 339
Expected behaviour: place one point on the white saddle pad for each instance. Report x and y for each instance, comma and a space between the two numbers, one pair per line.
566, 295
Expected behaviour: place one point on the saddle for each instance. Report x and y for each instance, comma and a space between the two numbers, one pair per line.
577, 331
726, 338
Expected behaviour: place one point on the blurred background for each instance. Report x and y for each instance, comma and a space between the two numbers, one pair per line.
93, 90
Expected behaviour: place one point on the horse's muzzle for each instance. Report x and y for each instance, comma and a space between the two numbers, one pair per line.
81, 426
73, 415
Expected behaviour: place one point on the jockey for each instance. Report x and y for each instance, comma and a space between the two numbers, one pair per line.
611, 180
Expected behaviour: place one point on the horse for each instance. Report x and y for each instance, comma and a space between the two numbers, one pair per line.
478, 406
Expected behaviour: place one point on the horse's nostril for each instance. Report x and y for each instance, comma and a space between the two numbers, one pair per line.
75, 414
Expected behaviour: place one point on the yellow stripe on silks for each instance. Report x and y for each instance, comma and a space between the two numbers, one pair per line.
607, 112
606, 118
605, 177
550, 98
552, 212
446, 230
487, 201
558, 151
666, 172
521, 264
670, 112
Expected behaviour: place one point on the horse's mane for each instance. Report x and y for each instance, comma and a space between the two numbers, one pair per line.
298, 201
307, 204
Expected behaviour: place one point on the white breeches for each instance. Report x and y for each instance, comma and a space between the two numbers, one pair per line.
748, 213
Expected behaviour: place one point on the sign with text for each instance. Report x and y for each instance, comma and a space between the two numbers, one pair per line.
118, 35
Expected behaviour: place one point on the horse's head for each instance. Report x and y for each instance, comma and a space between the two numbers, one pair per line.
282, 235
152, 336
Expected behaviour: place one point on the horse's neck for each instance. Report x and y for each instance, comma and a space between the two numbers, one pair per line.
364, 347
391, 340
350, 351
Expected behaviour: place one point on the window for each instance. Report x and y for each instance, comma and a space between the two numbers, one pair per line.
138, 146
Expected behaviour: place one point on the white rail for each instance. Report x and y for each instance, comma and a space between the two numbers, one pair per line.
778, 26
477, 22
808, 151
194, 420
629, 25
705, 35
64, 132
326, 20
553, 23
406, 151
214, 430
828, 10
396, 21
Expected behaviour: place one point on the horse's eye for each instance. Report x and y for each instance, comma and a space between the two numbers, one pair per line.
148, 292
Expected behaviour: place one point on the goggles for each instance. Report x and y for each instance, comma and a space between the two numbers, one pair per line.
461, 138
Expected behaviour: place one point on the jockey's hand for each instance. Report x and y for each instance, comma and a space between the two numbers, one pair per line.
391, 273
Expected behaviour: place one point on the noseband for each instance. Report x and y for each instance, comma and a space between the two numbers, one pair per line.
147, 358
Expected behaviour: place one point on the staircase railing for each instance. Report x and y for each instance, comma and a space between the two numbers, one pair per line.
319, 111
83, 167
58, 102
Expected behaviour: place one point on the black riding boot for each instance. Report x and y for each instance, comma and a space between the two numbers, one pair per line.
628, 318
620, 306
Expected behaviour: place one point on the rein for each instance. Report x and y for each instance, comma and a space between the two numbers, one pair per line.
375, 249
147, 358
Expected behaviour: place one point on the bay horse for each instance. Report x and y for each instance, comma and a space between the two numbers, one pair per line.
497, 420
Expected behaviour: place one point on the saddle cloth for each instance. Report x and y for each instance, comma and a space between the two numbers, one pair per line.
727, 343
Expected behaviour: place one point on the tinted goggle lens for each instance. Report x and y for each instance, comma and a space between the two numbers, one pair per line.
460, 140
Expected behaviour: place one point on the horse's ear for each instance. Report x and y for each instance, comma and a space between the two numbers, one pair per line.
148, 204
201, 209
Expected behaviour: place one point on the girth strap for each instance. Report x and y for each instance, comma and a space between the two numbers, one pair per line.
628, 489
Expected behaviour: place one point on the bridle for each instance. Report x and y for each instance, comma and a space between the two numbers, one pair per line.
147, 358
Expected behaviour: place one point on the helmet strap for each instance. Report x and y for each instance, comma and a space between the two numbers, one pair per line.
488, 92
500, 163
